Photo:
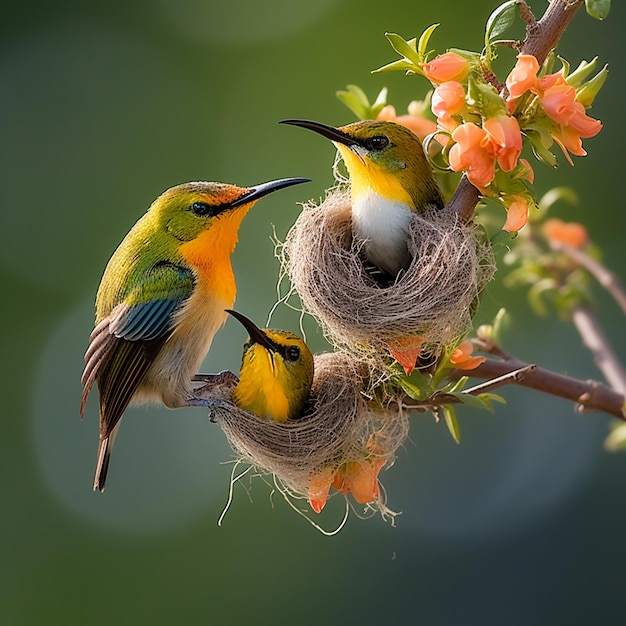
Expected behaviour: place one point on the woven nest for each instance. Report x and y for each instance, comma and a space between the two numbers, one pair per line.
433, 299
338, 427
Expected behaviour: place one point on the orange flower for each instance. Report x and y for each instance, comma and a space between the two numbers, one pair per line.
448, 98
360, 478
462, 357
504, 134
517, 213
406, 351
473, 153
448, 66
319, 487
570, 233
421, 126
523, 76
559, 102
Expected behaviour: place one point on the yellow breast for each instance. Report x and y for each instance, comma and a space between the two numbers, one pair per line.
261, 388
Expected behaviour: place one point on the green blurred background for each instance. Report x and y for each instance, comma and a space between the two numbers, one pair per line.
106, 104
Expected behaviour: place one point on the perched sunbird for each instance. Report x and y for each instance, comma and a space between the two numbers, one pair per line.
390, 178
276, 373
161, 300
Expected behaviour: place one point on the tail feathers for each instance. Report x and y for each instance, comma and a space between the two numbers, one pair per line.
102, 463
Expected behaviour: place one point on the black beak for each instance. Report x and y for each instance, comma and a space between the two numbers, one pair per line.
256, 334
258, 191
330, 132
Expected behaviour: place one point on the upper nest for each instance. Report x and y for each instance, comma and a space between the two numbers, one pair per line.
433, 299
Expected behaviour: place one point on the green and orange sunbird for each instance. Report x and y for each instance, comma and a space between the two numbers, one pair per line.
390, 179
276, 373
161, 300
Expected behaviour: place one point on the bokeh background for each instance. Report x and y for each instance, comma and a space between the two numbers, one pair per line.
106, 104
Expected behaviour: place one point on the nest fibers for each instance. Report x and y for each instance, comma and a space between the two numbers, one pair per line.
339, 426
433, 299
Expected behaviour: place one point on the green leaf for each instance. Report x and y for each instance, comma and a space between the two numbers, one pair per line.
404, 48
500, 20
402, 65
489, 397
470, 400
536, 292
423, 41
457, 386
357, 101
598, 8
501, 237
449, 415
413, 391
539, 150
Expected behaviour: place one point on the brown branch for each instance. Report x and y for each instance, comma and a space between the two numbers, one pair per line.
589, 395
541, 37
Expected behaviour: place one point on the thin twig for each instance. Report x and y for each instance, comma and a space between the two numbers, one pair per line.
605, 277
603, 355
437, 399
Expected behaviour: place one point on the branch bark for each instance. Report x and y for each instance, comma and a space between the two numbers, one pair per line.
589, 395
542, 36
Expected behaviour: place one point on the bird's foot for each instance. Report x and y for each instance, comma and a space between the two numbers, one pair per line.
205, 403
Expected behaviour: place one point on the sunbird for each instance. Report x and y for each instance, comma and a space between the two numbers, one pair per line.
161, 300
390, 178
276, 373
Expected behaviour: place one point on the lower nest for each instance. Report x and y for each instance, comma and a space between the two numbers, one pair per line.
337, 427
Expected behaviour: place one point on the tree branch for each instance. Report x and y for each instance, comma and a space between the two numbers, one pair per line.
542, 36
589, 395
603, 355
605, 277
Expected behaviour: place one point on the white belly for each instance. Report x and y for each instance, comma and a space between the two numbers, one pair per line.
384, 227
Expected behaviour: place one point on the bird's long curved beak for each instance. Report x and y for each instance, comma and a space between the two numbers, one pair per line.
330, 132
258, 191
255, 333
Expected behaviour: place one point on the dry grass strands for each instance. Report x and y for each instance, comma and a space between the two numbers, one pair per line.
336, 429
432, 299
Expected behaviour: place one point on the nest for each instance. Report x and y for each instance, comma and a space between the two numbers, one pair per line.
338, 427
433, 299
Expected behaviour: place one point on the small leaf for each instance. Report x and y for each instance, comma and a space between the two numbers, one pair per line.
413, 391
449, 415
402, 65
536, 292
539, 149
404, 48
424, 38
471, 400
457, 386
500, 20
488, 398
502, 236
598, 8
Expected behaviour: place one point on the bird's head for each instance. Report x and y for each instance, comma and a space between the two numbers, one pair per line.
186, 211
276, 372
383, 156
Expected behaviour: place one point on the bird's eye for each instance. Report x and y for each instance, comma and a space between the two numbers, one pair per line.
292, 353
377, 142
201, 209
